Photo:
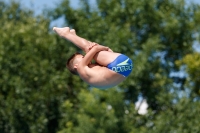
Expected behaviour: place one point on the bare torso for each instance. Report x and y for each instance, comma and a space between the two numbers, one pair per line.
102, 77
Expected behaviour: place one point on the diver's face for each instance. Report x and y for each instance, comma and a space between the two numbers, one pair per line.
78, 59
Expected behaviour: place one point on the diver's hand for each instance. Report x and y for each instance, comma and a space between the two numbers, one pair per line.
90, 46
101, 48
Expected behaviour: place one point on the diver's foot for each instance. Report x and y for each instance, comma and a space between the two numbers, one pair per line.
63, 32
73, 31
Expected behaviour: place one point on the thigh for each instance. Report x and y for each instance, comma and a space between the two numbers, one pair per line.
104, 57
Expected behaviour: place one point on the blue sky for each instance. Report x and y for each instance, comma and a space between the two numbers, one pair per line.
39, 5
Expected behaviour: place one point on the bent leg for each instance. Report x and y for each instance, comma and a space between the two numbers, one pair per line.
103, 57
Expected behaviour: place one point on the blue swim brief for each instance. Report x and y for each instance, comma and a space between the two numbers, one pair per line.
122, 65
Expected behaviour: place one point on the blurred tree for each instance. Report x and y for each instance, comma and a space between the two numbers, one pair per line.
37, 93
192, 64
98, 111
33, 78
154, 34
151, 33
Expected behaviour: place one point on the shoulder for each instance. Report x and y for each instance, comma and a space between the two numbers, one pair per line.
85, 72
91, 73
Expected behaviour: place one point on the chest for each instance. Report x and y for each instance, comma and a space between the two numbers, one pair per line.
96, 66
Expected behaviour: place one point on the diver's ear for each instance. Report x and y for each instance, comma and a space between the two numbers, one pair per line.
76, 66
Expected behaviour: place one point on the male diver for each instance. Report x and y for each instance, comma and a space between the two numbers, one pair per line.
110, 68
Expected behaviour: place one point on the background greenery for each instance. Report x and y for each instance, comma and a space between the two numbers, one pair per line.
38, 94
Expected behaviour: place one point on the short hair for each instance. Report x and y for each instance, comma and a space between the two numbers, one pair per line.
70, 65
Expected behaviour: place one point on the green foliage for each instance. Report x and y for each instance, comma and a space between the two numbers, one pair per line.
192, 63
97, 111
181, 118
154, 34
32, 72
38, 95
